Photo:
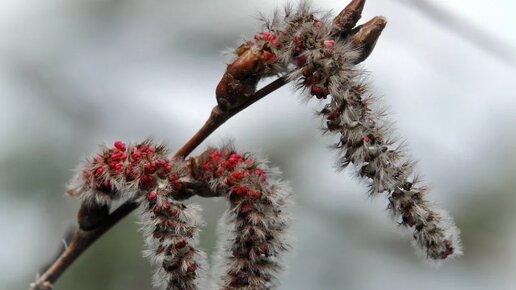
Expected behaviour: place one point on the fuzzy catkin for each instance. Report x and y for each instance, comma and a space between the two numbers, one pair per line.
256, 223
324, 65
170, 229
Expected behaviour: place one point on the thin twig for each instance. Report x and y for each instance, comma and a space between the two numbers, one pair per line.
82, 239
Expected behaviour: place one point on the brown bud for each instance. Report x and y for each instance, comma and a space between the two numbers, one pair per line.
348, 18
240, 79
366, 35
90, 216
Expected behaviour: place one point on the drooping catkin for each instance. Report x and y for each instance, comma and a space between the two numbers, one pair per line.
322, 56
170, 228
256, 223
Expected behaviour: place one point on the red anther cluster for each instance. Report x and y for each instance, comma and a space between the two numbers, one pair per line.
180, 244
99, 171
269, 57
143, 162
237, 177
299, 44
320, 89
143, 151
152, 195
175, 182
261, 174
333, 120
238, 172
301, 61
239, 191
329, 43
120, 146
269, 37
191, 268
146, 182
319, 92
110, 164
233, 160
268, 43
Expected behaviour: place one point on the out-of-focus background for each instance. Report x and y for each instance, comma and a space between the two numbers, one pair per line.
74, 74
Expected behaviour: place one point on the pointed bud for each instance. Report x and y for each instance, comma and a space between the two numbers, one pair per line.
240, 79
365, 36
348, 18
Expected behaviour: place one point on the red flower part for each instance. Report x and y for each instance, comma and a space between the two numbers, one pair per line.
235, 158
307, 72
118, 156
298, 39
315, 90
150, 168
317, 24
246, 207
329, 43
235, 178
207, 166
119, 168
215, 156
261, 173
99, 171
146, 182
269, 36
136, 155
146, 151
269, 57
175, 182
131, 173
333, 116
264, 249
239, 191
320, 93
120, 145
107, 184
254, 194
191, 268
152, 196
276, 43
180, 244
301, 61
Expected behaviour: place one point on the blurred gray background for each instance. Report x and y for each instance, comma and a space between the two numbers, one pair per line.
74, 74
